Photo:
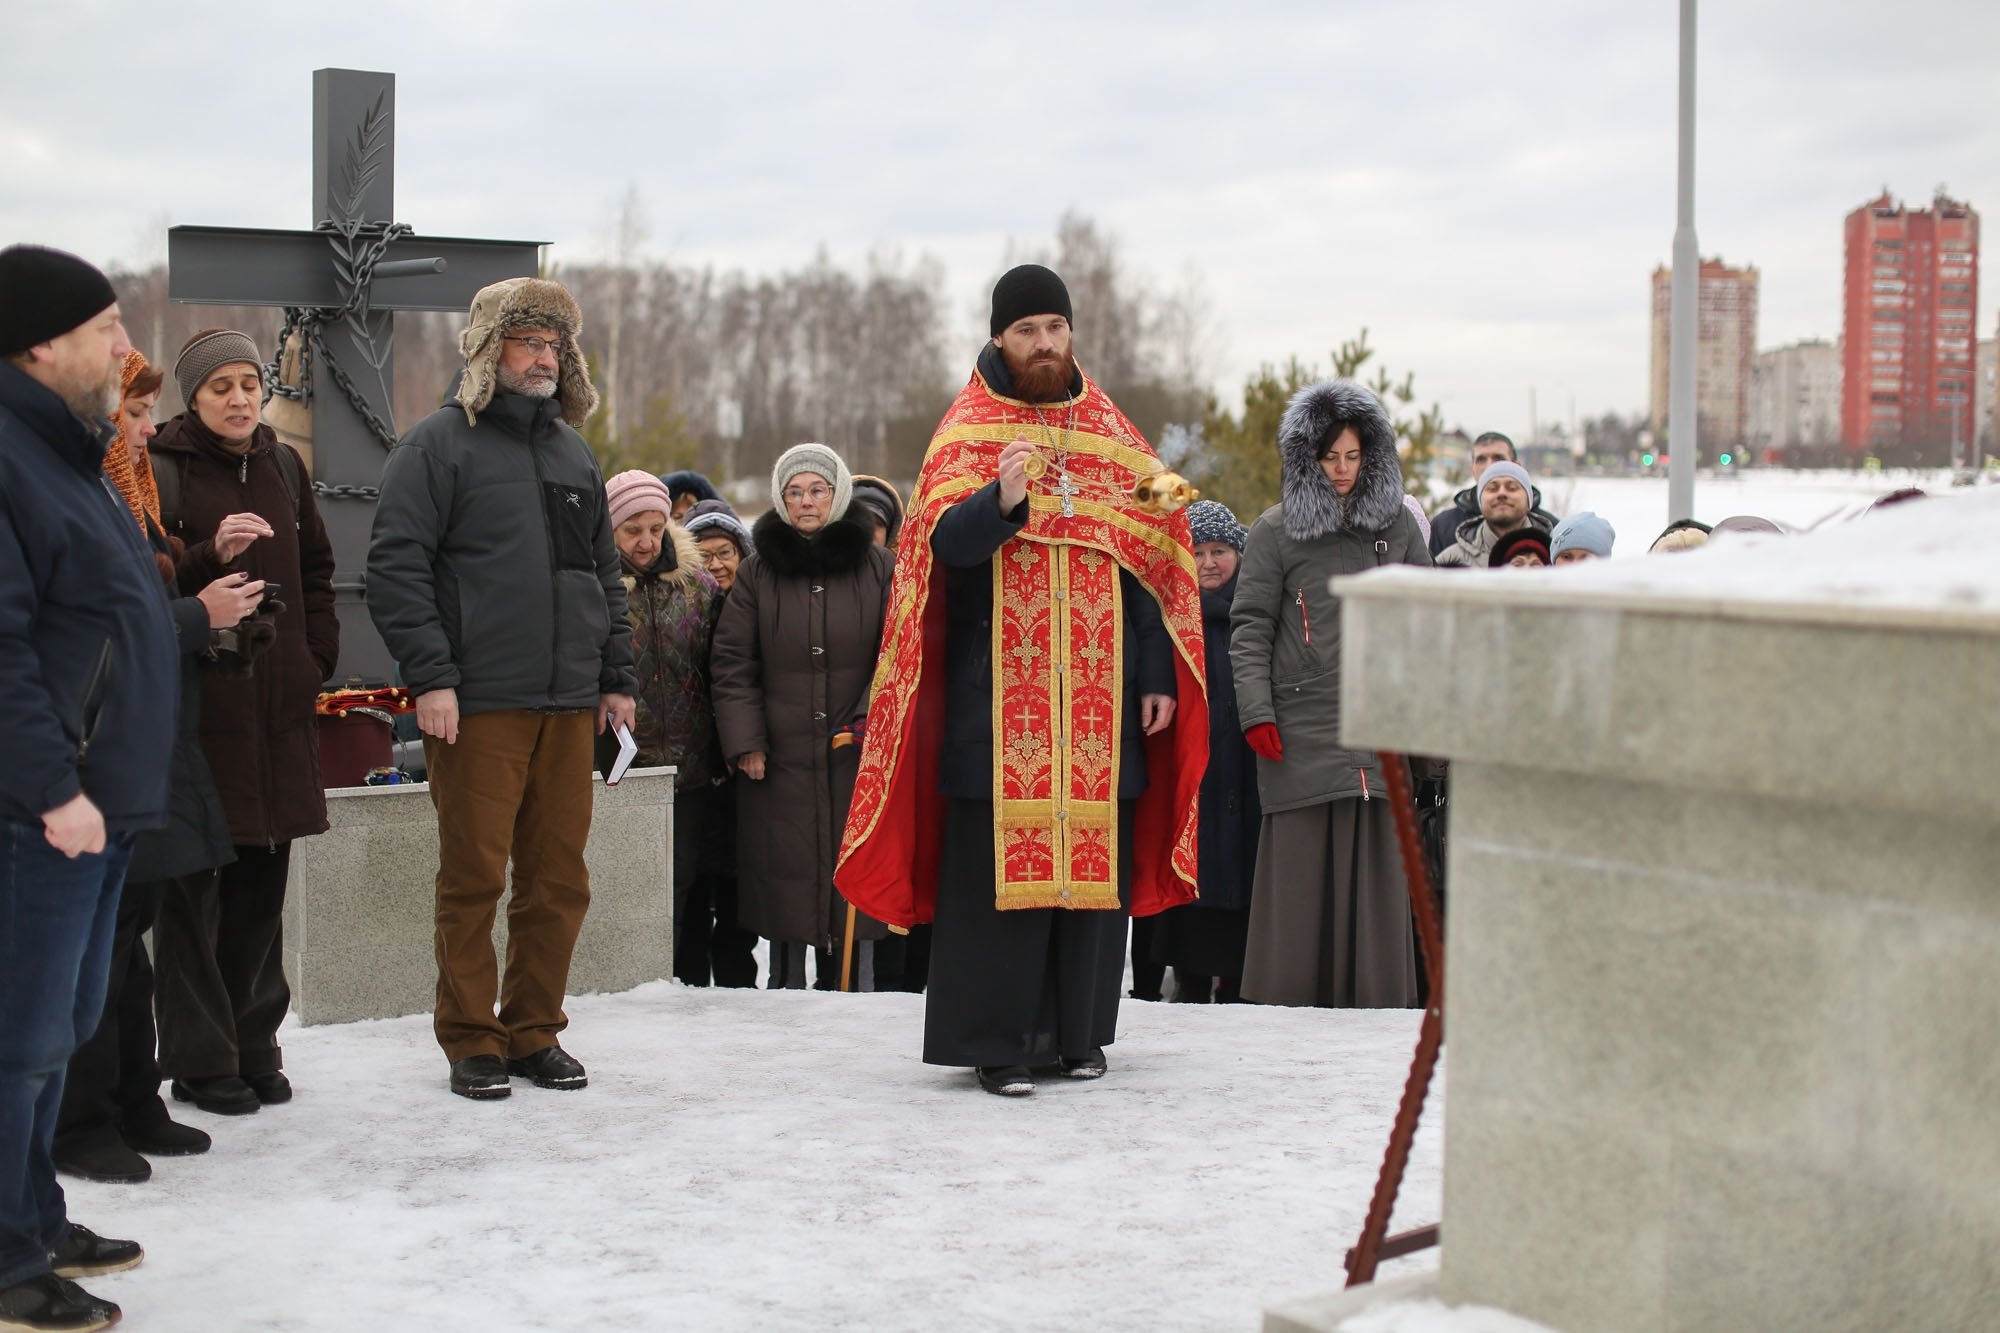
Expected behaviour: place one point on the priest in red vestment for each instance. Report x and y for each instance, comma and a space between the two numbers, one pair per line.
1038, 730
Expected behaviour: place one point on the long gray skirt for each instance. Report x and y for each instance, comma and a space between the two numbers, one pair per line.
1329, 911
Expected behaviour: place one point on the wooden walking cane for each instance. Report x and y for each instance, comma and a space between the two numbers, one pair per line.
847, 953
1374, 1246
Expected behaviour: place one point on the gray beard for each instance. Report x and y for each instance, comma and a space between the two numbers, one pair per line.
526, 385
96, 403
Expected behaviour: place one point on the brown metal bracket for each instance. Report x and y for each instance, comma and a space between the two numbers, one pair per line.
1374, 1245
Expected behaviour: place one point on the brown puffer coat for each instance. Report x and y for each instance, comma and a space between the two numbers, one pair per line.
260, 735
794, 655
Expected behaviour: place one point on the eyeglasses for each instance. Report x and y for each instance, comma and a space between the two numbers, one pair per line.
726, 557
536, 346
817, 494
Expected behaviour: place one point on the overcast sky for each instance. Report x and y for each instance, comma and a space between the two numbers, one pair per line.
1486, 186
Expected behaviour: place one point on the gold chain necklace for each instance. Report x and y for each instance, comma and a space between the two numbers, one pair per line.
1162, 492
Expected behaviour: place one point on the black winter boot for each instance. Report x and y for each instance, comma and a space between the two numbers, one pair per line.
56, 1304
480, 1077
84, 1253
102, 1155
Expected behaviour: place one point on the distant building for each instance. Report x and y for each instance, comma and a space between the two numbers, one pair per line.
1795, 397
1908, 392
1726, 348
1986, 376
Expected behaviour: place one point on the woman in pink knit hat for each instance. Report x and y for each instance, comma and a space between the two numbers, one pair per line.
673, 604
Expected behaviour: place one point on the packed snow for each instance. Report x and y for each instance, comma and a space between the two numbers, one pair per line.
783, 1160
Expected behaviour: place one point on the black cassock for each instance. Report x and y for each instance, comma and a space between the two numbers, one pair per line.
1033, 985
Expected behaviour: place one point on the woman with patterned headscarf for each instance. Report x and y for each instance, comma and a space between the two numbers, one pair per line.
111, 1108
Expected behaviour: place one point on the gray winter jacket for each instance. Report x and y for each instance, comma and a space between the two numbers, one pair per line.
1473, 543
1285, 622
492, 570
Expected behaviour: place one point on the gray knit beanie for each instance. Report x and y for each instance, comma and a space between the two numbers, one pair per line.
208, 351
812, 458
1503, 468
1583, 531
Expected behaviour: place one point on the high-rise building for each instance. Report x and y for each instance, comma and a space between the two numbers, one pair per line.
1725, 348
1908, 342
1795, 397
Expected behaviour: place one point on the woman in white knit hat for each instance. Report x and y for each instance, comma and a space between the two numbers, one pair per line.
794, 655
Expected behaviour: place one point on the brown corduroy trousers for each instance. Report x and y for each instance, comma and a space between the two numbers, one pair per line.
517, 784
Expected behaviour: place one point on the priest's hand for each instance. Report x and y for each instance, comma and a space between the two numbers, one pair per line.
751, 765
235, 533
437, 714
1014, 474
1156, 713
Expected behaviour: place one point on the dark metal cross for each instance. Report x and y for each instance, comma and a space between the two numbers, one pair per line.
339, 283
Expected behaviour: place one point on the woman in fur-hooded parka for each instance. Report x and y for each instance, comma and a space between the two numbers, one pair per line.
1329, 914
795, 652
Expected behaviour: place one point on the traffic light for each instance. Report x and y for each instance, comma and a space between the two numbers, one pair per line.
1645, 460
1725, 459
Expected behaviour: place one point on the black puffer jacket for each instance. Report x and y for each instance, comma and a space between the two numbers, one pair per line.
492, 570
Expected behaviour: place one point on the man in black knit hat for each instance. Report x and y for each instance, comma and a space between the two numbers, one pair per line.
88, 682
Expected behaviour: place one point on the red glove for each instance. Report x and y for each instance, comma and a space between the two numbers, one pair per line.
1264, 740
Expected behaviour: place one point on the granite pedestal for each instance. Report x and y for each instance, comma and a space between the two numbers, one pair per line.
1724, 950
358, 912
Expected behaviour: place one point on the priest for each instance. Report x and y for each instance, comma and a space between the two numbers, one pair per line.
1036, 738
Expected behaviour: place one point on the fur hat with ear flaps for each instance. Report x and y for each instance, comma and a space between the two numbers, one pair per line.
1312, 507
508, 307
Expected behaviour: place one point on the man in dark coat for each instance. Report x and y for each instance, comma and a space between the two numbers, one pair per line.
1038, 784
496, 584
86, 724
1488, 449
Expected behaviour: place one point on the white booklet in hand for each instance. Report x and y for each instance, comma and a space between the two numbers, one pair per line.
627, 747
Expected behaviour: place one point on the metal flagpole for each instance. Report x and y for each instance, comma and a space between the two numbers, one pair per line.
1682, 349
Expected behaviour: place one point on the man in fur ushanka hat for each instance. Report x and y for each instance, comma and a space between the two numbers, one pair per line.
495, 582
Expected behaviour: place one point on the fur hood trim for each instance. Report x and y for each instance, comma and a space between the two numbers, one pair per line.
1312, 507
840, 547
504, 308
686, 560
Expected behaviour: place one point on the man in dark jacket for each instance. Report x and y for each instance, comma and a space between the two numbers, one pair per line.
1488, 449
86, 722
511, 645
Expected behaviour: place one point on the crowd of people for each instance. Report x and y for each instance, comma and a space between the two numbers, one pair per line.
976, 745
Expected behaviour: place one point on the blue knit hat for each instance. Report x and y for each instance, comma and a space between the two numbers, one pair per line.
1212, 521
1583, 531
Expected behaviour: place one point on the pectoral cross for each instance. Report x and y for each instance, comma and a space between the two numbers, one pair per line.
1068, 490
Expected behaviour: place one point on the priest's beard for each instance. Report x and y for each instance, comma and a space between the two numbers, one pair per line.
1040, 381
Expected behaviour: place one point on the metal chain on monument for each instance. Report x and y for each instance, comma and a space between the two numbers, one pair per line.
361, 246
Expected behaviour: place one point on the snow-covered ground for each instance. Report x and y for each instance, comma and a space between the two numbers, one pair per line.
783, 1160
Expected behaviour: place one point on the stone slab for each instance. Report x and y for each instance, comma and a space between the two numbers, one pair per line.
358, 911
1326, 1313
1723, 916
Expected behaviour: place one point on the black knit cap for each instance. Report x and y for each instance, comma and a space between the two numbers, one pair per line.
1028, 289
45, 293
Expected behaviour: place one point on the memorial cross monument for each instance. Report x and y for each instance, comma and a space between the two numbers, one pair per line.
339, 284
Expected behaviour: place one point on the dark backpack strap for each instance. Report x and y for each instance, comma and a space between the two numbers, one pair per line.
291, 468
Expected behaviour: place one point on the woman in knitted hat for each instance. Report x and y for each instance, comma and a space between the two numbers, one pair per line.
1204, 941
1523, 548
673, 604
243, 503
794, 655
111, 1109
721, 537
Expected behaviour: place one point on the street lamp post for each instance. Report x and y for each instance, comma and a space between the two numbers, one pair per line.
1683, 316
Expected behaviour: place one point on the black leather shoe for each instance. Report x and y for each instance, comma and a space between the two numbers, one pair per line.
84, 1253
100, 1155
164, 1137
480, 1077
551, 1067
1090, 1066
270, 1088
55, 1303
228, 1095
1006, 1080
